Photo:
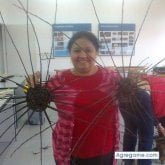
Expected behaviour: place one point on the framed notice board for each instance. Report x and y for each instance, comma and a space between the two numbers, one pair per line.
116, 39
61, 35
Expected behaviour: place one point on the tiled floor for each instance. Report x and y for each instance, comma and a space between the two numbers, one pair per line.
29, 153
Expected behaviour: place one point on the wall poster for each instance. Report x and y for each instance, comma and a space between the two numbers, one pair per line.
61, 35
116, 39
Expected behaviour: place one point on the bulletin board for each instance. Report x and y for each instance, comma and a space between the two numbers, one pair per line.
116, 39
61, 35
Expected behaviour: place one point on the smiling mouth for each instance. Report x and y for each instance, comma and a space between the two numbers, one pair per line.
83, 61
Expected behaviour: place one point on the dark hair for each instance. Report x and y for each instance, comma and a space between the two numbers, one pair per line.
83, 34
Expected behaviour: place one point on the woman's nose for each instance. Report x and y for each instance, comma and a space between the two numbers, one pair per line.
83, 53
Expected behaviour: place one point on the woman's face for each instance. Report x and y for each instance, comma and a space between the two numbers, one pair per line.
83, 56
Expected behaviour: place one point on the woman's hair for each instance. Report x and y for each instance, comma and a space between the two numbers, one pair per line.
83, 34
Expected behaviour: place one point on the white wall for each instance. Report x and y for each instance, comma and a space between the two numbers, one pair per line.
1, 53
149, 44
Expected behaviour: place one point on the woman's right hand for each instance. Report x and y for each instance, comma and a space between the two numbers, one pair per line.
33, 79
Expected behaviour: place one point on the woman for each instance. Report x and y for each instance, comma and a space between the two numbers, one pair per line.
86, 130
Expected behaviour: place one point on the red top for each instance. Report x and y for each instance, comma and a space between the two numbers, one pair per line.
87, 125
157, 85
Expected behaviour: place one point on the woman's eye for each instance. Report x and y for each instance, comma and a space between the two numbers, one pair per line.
77, 50
88, 50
